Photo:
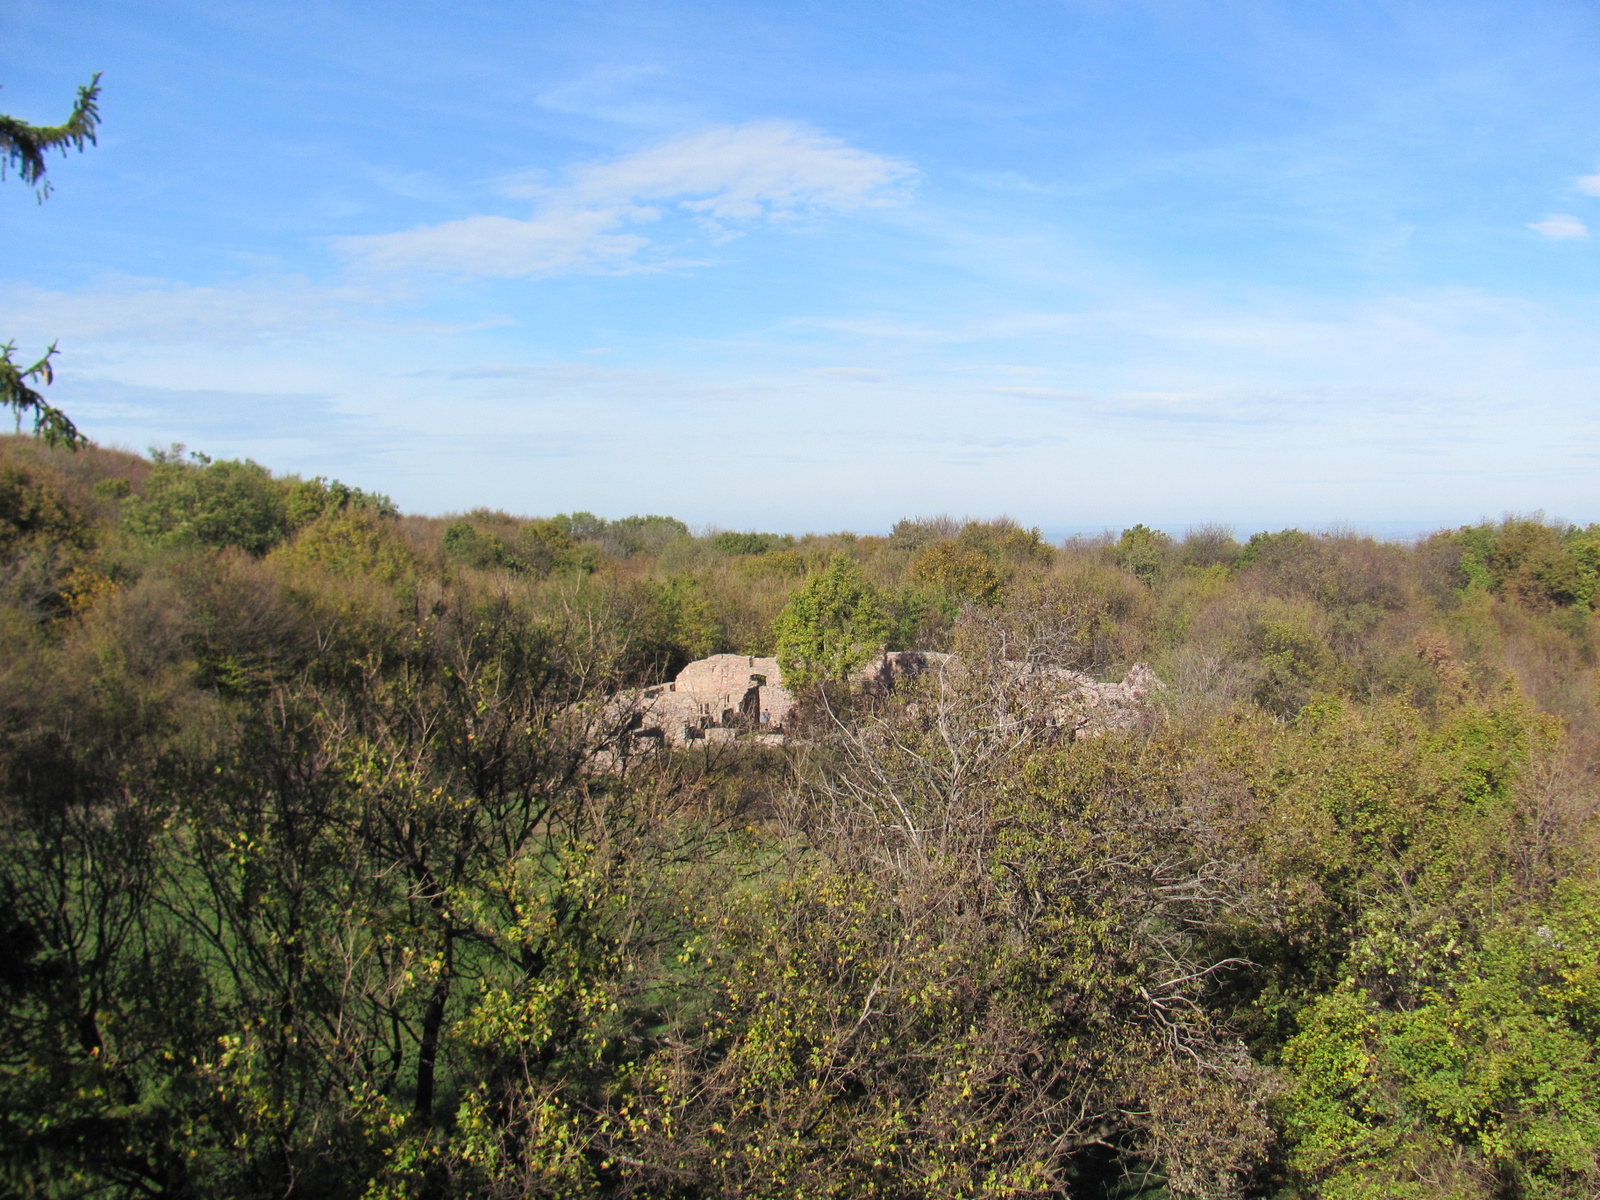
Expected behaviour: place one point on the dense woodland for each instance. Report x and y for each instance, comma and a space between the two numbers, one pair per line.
312, 885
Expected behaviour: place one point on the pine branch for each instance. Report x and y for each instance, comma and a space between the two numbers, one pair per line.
23, 146
49, 422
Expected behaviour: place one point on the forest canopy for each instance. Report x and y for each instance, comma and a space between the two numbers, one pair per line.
319, 878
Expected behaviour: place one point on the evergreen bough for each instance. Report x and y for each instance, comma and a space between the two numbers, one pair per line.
23, 148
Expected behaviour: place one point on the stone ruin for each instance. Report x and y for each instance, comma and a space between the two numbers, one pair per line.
728, 696
713, 699
1072, 702
1080, 707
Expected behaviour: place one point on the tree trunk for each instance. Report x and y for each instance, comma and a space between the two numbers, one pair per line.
432, 1022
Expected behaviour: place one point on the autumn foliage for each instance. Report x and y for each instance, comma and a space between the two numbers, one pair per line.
317, 882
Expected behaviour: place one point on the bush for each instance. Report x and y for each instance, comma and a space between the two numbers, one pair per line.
226, 503
1004, 542
318, 872
963, 574
34, 507
832, 627
312, 499
920, 532
1208, 546
1534, 564
1144, 552
359, 541
625, 537
466, 544
494, 541
733, 544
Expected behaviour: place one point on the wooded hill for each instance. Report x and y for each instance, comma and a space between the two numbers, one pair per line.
310, 887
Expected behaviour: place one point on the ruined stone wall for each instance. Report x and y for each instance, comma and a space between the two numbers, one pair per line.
884, 673
1074, 701
720, 697
727, 673
1093, 709
776, 703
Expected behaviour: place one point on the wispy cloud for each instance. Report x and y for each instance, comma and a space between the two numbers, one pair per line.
624, 93
125, 309
849, 374
1041, 394
557, 241
129, 308
1589, 185
721, 178
1560, 225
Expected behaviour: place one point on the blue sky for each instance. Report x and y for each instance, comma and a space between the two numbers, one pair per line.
822, 265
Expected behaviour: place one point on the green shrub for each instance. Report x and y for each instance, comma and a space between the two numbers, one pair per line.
1490, 1082
224, 503
1004, 542
358, 540
730, 543
35, 507
466, 544
624, 537
1144, 552
311, 499
832, 627
963, 574
1534, 564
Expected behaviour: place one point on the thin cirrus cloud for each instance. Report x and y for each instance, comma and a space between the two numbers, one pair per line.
720, 178
849, 374
1560, 226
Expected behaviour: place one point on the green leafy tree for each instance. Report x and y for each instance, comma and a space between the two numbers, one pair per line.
831, 628
641, 535
226, 503
354, 541
1537, 565
311, 499
580, 526
24, 147
961, 573
465, 543
537, 548
733, 543
544, 547
670, 626
1004, 541
1144, 551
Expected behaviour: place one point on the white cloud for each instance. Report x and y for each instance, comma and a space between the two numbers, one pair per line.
127, 310
742, 172
1589, 185
121, 308
772, 170
1042, 394
1561, 225
554, 242
1108, 419
849, 374
637, 94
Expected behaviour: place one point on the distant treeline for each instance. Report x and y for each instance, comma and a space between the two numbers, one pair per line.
319, 879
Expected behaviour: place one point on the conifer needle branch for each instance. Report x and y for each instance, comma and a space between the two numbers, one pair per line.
23, 146
49, 422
